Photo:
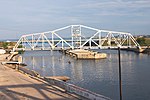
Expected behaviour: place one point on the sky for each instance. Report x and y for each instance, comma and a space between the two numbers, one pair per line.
18, 17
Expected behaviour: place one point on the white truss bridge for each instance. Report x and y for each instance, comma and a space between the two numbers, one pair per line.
76, 36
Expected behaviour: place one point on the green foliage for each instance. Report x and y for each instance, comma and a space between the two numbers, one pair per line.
141, 41
20, 46
147, 41
20, 52
5, 45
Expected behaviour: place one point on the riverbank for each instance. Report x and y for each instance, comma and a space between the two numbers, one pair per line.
15, 85
147, 51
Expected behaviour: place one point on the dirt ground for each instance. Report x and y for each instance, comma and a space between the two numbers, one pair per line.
17, 86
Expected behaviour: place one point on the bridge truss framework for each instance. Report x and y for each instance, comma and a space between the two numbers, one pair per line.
99, 39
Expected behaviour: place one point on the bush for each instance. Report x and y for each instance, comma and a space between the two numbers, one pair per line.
141, 41
5, 45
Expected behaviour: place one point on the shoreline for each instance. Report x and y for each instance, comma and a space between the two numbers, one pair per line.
15, 85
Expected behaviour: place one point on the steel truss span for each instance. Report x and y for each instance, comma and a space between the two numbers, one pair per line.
76, 36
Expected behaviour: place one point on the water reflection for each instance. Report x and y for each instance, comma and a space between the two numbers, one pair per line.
53, 65
76, 70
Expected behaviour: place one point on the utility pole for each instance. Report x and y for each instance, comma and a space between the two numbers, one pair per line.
120, 81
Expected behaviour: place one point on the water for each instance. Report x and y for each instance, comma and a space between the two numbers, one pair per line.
100, 76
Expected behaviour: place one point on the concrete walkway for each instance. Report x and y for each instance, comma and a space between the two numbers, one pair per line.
17, 86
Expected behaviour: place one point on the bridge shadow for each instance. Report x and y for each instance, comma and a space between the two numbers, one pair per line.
34, 92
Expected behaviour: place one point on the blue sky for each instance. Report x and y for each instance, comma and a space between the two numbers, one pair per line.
18, 17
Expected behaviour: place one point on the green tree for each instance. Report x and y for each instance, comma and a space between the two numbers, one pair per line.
141, 41
5, 45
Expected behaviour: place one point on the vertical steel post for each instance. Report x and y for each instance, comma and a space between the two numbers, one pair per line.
23, 42
42, 41
109, 39
120, 81
90, 43
72, 37
32, 42
52, 40
100, 39
80, 35
129, 41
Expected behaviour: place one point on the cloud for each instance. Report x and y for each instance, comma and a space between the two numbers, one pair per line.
42, 15
118, 7
116, 4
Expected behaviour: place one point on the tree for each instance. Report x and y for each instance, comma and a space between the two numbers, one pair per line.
5, 45
141, 41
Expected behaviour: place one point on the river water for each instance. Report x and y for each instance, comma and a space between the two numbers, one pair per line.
100, 76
